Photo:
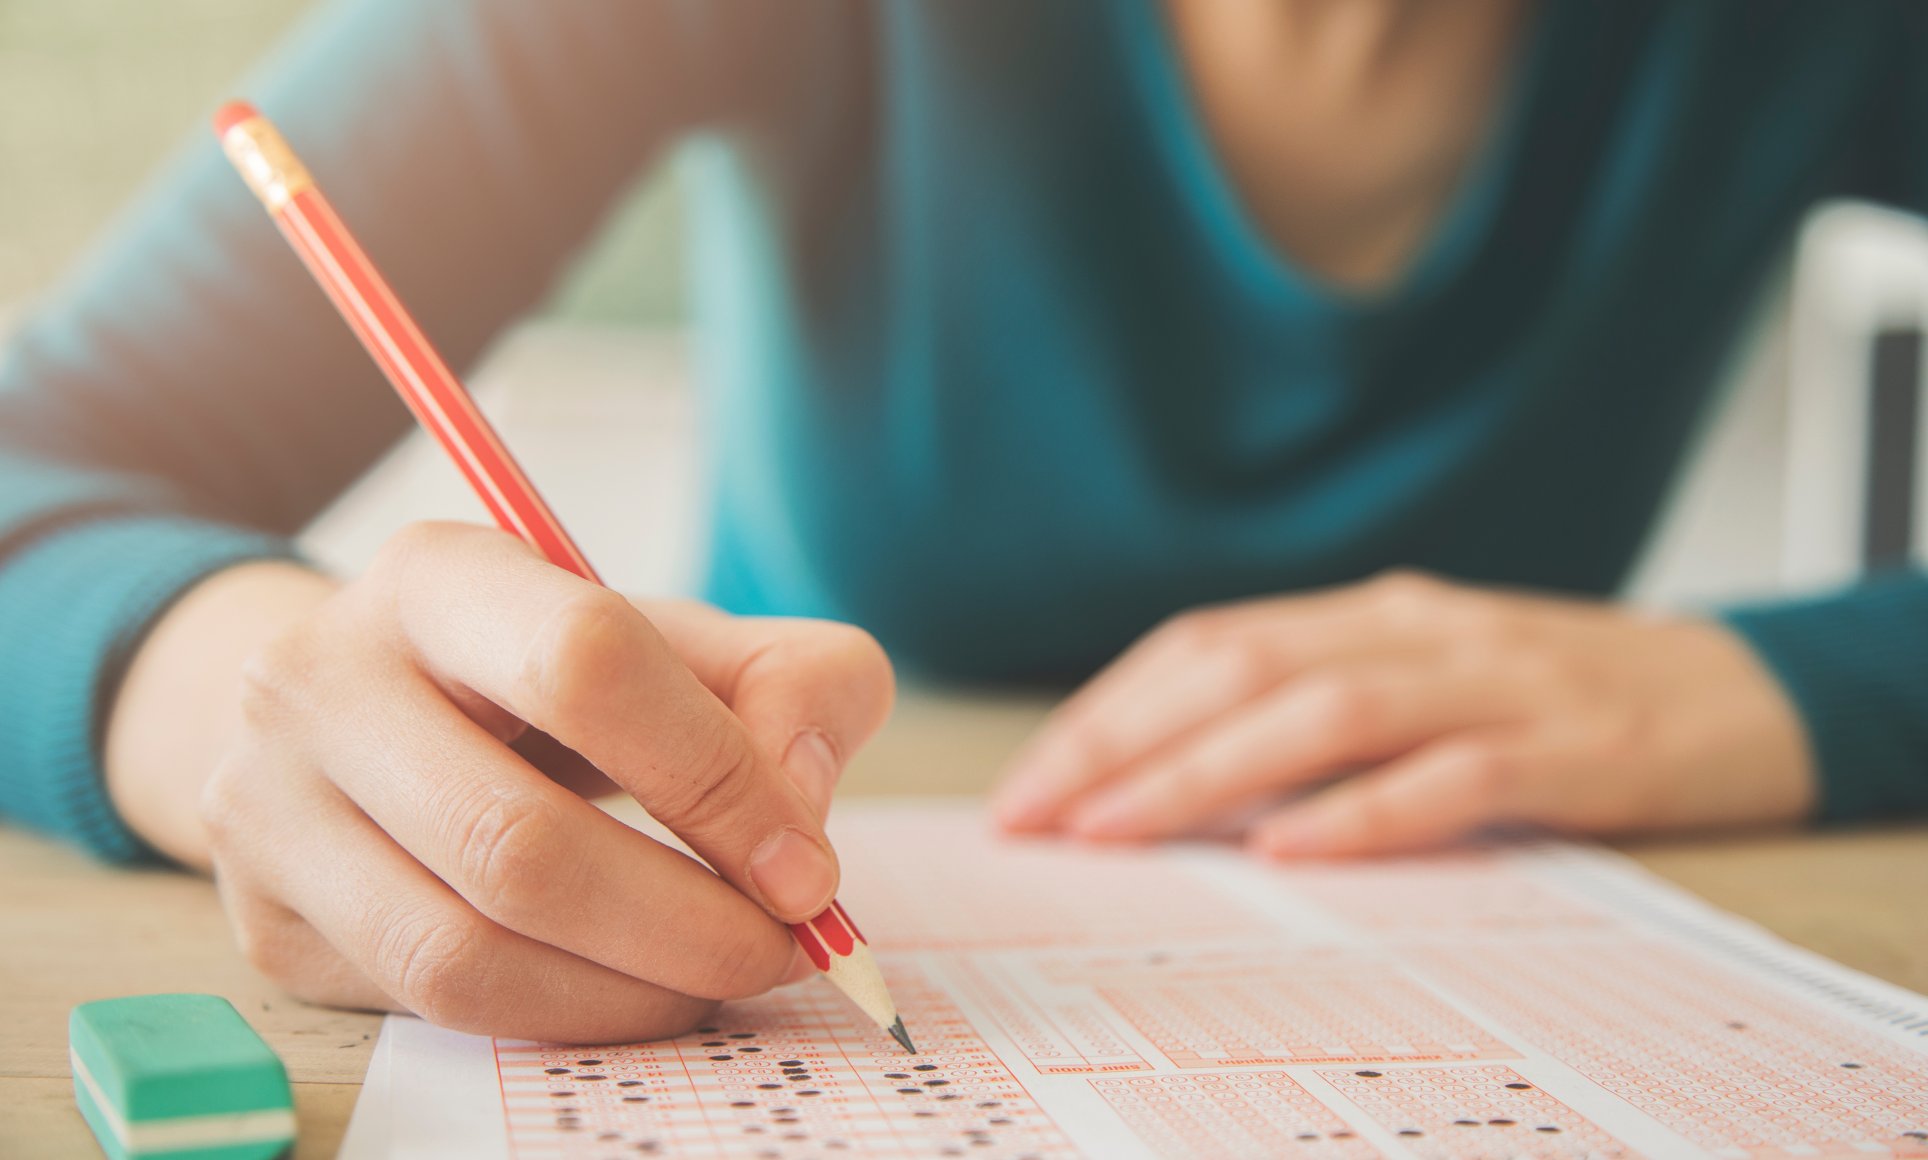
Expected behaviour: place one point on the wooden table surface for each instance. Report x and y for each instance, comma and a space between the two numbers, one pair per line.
71, 930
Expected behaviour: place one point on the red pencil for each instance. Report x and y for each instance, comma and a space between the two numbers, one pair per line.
443, 406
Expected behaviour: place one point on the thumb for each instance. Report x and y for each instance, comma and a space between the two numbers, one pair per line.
810, 693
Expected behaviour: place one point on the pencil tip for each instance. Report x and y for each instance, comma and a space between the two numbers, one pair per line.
902, 1036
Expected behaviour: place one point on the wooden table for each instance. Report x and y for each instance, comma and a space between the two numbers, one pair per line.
71, 931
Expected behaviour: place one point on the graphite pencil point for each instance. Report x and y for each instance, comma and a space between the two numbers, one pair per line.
902, 1036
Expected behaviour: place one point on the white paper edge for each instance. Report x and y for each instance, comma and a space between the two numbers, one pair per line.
367, 1137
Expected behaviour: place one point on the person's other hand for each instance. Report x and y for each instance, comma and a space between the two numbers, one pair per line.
383, 835
1404, 712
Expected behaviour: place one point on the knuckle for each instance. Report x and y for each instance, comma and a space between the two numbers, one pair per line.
219, 806
714, 784
1195, 631
412, 542
508, 855
428, 964
1405, 584
589, 644
1349, 710
273, 679
1403, 594
411, 567
1244, 662
1240, 658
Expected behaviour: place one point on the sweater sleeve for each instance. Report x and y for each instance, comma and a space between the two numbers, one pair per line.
1856, 665
187, 399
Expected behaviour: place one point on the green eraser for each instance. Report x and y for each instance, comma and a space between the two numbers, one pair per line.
178, 1076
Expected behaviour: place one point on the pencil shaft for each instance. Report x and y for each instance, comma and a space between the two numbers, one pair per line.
439, 401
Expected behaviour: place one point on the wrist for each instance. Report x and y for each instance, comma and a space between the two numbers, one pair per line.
1748, 742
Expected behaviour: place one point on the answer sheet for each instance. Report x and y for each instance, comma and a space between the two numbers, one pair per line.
1535, 1000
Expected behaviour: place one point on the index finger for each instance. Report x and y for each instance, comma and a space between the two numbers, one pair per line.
541, 862
580, 663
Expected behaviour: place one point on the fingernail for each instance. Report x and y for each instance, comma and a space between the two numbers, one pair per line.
811, 765
795, 874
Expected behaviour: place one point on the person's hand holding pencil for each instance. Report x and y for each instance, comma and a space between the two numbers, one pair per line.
395, 814
388, 830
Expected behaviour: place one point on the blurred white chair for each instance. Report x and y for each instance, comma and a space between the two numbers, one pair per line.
604, 421
1801, 481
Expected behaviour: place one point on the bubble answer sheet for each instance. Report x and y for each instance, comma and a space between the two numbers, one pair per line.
1536, 1000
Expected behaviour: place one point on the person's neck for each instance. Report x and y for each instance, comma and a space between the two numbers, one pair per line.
1341, 43
1345, 123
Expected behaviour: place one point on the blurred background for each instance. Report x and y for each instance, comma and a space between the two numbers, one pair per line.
1808, 472
94, 93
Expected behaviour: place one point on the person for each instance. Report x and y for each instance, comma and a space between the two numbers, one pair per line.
1337, 354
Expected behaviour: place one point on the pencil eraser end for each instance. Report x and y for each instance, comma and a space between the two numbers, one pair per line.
231, 114
180, 1076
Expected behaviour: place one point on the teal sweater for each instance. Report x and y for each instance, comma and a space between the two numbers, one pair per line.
997, 365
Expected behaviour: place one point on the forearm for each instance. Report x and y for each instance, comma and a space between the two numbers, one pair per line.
178, 706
